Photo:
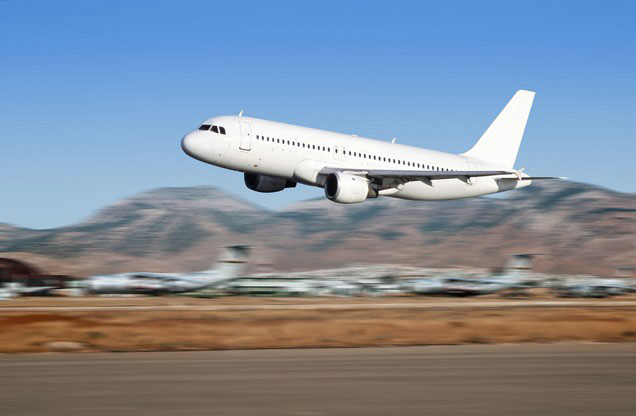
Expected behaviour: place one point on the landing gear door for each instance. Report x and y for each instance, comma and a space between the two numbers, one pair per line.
246, 136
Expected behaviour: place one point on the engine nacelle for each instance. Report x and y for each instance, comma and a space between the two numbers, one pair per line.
264, 183
346, 188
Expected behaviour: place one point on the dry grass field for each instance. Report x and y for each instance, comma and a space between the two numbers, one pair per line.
147, 324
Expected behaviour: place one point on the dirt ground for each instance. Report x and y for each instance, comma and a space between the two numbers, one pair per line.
302, 323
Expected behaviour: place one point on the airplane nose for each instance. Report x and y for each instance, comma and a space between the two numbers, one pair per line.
189, 144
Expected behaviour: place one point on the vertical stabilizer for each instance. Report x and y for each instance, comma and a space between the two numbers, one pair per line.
232, 262
500, 143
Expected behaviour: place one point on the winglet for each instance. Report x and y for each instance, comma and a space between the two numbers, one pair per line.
241, 113
393, 140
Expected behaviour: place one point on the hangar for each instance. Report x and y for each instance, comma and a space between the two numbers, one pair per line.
28, 275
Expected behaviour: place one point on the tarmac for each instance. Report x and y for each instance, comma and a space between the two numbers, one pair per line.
406, 303
528, 379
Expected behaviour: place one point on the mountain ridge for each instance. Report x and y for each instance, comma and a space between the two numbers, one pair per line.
585, 228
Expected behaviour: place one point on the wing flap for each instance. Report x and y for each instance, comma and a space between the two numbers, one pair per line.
429, 175
433, 174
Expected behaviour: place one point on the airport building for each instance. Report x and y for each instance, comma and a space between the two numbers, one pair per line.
14, 271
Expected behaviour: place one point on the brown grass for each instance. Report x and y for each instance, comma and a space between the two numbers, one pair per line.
140, 330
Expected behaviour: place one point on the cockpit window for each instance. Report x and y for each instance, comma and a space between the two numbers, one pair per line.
215, 129
222, 130
205, 127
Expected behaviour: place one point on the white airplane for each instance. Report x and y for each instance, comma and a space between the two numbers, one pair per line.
275, 156
231, 264
591, 287
464, 286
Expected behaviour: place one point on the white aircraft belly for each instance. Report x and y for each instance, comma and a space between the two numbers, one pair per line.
447, 189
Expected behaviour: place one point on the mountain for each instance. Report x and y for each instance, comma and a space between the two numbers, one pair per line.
580, 228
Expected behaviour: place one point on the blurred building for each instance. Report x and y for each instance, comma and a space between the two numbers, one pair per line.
14, 271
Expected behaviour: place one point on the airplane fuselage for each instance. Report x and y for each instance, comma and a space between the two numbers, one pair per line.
299, 154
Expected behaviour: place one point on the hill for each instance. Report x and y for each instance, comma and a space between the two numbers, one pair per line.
581, 228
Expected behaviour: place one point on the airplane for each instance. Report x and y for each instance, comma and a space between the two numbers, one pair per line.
274, 156
590, 287
231, 264
463, 286
425, 286
450, 285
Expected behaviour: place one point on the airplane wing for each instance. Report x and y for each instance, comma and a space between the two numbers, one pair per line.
429, 175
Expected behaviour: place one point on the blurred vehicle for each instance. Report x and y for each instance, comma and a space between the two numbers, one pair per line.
230, 265
425, 286
14, 289
513, 278
458, 286
270, 287
336, 288
592, 288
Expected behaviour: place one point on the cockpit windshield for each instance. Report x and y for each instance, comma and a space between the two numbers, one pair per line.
214, 129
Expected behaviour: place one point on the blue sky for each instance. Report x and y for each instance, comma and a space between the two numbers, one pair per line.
95, 96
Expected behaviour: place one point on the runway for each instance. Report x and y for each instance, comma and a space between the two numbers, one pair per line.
404, 304
563, 379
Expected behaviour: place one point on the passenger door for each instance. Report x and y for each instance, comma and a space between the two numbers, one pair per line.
246, 136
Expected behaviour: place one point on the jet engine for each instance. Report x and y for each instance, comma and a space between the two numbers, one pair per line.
347, 189
264, 183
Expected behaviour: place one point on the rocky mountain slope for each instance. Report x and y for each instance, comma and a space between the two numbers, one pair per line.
580, 228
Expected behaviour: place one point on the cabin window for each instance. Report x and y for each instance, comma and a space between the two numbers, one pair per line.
222, 130
204, 127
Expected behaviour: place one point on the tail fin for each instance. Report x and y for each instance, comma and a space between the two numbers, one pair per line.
500, 143
232, 262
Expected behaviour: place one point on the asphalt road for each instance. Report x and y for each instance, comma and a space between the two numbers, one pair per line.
560, 379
